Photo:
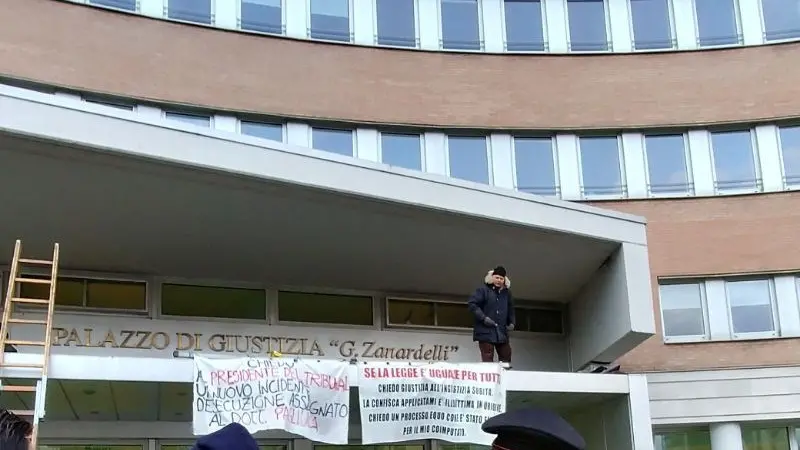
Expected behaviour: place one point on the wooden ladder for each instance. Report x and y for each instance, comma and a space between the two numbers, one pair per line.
13, 299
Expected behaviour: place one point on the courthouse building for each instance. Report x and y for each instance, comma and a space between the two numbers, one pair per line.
333, 178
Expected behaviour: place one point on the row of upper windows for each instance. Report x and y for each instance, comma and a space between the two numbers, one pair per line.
497, 25
721, 309
181, 300
753, 438
632, 165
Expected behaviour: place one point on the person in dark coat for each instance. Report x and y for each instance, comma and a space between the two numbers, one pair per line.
232, 437
493, 309
15, 432
533, 429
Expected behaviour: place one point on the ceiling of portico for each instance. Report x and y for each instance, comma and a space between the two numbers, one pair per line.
120, 214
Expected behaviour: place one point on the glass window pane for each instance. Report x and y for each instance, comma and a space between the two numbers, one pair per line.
535, 166
127, 5
461, 29
192, 119
191, 446
734, 162
539, 320
198, 11
751, 306
666, 164
396, 22
600, 166
781, 19
684, 440
468, 158
453, 315
212, 301
716, 22
89, 447
334, 141
765, 438
369, 447
271, 131
587, 25
790, 152
264, 16
409, 312
116, 295
524, 25
324, 308
682, 309
651, 24
330, 20
402, 150
109, 103
69, 291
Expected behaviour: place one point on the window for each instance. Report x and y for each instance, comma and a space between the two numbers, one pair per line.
734, 162
468, 157
396, 22
332, 140
330, 20
667, 171
192, 119
524, 23
271, 131
110, 103
461, 25
198, 11
127, 5
588, 30
539, 320
325, 308
601, 164
370, 447
682, 310
790, 154
191, 446
213, 301
264, 16
781, 19
90, 293
402, 150
751, 306
717, 22
683, 440
652, 24
765, 438
535, 166
89, 447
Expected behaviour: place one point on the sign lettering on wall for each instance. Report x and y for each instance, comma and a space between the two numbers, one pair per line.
246, 344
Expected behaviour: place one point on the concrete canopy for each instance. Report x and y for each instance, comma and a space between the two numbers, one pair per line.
124, 195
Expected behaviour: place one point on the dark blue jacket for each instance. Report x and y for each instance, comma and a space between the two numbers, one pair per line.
232, 437
498, 304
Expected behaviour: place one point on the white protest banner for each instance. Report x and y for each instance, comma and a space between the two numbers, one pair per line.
305, 397
403, 402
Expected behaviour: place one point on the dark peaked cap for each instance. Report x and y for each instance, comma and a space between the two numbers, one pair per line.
232, 437
533, 429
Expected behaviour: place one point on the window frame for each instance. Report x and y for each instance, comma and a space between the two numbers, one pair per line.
737, 10
353, 137
758, 181
159, 283
786, 185
556, 173
687, 159
623, 178
678, 430
285, 443
239, 121
265, 33
481, 31
673, 36
545, 34
137, 7
274, 312
764, 31
773, 304
93, 442
609, 36
350, 26
375, 37
115, 103
165, 115
212, 18
422, 153
489, 156
706, 336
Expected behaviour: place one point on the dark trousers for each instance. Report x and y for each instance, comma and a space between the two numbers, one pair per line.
487, 350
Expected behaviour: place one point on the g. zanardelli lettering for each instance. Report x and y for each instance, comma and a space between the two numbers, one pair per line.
244, 344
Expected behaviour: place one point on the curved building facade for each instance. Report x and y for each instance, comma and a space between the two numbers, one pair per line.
333, 177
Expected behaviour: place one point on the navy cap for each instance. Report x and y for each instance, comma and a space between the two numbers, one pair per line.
232, 437
534, 429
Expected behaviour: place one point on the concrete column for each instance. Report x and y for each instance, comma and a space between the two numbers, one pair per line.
726, 436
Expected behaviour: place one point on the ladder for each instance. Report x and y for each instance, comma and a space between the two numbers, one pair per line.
14, 298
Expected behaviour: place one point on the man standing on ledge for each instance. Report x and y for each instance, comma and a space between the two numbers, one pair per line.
493, 308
